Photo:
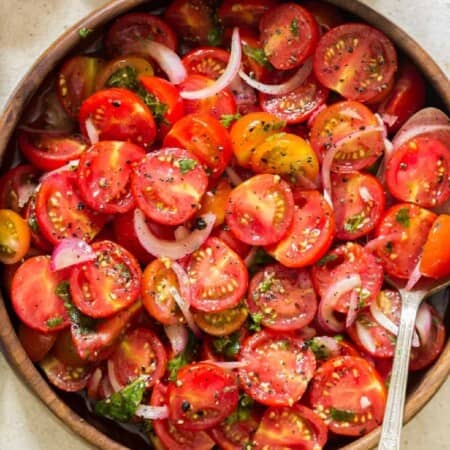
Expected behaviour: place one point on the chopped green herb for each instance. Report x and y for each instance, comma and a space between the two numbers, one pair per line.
122, 405
265, 284
124, 271
242, 411
84, 32
32, 222
294, 27
340, 415
354, 223
255, 322
257, 54
215, 36
185, 357
228, 346
402, 217
326, 259
126, 77
186, 165
54, 322
338, 337
260, 259
227, 119
320, 350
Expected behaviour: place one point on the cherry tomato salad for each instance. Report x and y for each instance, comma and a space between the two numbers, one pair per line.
208, 202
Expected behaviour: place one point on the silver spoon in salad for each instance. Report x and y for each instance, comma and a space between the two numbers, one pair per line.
411, 300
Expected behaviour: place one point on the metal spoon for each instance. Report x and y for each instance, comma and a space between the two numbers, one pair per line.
411, 300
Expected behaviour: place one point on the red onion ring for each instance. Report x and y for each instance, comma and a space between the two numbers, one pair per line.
91, 131
178, 337
414, 277
284, 88
70, 252
152, 412
352, 309
171, 249
365, 338
228, 365
380, 241
228, 75
234, 178
389, 119
113, 377
94, 381
328, 343
424, 323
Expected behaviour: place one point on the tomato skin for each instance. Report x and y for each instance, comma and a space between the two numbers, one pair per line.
328, 16
204, 387
35, 343
207, 61
41, 310
435, 259
222, 323
118, 115
37, 239
244, 14
65, 351
14, 237
289, 34
230, 239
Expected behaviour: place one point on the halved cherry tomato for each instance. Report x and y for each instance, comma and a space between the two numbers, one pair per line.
285, 298
254, 59
244, 14
289, 34
435, 259
221, 323
137, 26
224, 234
17, 186
104, 175
202, 396
310, 234
194, 21
338, 122
168, 184
349, 395
359, 201
207, 61
36, 343
37, 239
221, 104
48, 152
218, 277
357, 61
342, 262
298, 105
40, 309
140, 352
327, 15
118, 114
272, 359
260, 210
215, 200
60, 211
408, 226
65, 351
297, 427
167, 431
157, 278
76, 82
14, 237
419, 172
206, 138
108, 284
406, 97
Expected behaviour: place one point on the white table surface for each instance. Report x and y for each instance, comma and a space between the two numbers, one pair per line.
27, 27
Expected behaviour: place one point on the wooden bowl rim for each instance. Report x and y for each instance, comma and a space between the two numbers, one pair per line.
15, 353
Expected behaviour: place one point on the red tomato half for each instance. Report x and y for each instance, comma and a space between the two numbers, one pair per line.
284, 297
244, 13
349, 395
108, 284
118, 115
357, 61
202, 396
274, 358
41, 309
168, 185
36, 343
207, 61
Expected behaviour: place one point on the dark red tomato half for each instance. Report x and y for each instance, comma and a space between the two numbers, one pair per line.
207, 61
48, 152
419, 172
168, 184
40, 309
328, 16
206, 138
357, 61
349, 395
36, 343
359, 201
297, 427
244, 13
273, 358
168, 433
218, 277
289, 34
202, 396
285, 298
342, 262
37, 239
310, 234
298, 105
107, 284
139, 352
406, 227
104, 175
118, 114
260, 210
61, 212
135, 27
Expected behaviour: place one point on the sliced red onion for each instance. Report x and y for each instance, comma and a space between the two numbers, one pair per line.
24, 192
152, 412
314, 114
178, 337
70, 252
92, 131
284, 88
332, 295
382, 125
350, 113
94, 381
328, 343
381, 241
352, 309
424, 322
365, 337
414, 277
70, 166
228, 75
166, 58
171, 249
229, 365
365, 194
234, 178
243, 93
421, 130
389, 119
113, 377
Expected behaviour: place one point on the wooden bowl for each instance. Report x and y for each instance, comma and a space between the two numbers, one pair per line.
76, 416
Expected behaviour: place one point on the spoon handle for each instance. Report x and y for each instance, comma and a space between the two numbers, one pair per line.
393, 416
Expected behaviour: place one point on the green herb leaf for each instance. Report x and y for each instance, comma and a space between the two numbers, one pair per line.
122, 405
257, 54
32, 222
338, 337
228, 346
157, 108
402, 217
227, 119
185, 357
340, 415
320, 351
186, 165
260, 259
54, 322
126, 77
242, 412
353, 223
326, 259
215, 36
84, 32
255, 322
266, 283
294, 27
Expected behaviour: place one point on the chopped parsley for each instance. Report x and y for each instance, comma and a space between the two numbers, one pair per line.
320, 350
257, 54
228, 346
242, 411
84, 32
186, 165
260, 259
402, 217
326, 259
185, 357
353, 223
54, 322
294, 27
215, 36
32, 222
227, 119
265, 284
255, 322
341, 415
